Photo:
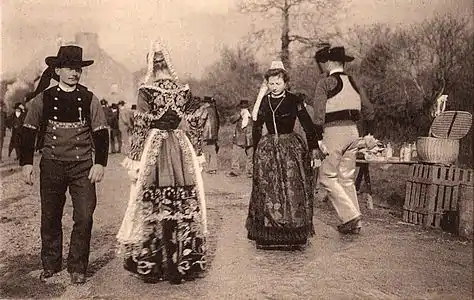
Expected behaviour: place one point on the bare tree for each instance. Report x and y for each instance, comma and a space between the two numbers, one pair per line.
361, 39
300, 21
405, 70
431, 57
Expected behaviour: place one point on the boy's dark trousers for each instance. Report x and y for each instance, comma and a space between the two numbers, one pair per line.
55, 177
14, 144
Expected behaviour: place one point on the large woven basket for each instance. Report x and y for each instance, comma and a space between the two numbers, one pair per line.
442, 147
437, 150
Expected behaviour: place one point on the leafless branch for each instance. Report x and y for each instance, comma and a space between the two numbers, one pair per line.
255, 6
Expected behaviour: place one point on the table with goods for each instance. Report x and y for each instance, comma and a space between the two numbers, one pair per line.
438, 193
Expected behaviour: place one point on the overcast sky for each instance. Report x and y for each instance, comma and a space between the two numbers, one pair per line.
195, 30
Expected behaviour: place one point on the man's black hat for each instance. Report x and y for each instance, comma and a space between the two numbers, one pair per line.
68, 56
332, 54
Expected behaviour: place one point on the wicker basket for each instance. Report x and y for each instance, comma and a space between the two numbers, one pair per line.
437, 150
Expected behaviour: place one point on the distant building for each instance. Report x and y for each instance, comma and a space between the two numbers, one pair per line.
106, 76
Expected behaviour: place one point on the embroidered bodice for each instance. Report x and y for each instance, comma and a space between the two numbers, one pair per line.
163, 105
165, 95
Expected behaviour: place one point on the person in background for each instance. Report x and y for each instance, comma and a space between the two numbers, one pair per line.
15, 123
109, 117
115, 134
242, 140
339, 102
70, 127
104, 104
3, 126
211, 135
125, 125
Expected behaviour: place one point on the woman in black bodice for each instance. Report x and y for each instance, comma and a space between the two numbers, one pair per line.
281, 204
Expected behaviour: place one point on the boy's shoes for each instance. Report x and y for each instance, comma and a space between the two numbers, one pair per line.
47, 274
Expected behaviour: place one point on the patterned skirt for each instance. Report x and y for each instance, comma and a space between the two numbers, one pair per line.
162, 234
281, 205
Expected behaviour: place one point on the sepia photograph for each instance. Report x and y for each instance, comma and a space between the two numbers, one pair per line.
237, 149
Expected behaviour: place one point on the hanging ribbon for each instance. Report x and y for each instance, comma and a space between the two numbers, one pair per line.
261, 94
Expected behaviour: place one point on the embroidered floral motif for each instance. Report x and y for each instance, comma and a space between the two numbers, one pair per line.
166, 94
281, 203
141, 127
178, 205
196, 128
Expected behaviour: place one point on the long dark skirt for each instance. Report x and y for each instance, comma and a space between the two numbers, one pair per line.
281, 204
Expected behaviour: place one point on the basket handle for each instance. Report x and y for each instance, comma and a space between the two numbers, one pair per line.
452, 123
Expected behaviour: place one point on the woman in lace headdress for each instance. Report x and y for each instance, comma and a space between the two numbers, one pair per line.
163, 232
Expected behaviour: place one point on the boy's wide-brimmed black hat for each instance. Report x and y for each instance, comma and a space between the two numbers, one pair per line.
332, 54
68, 56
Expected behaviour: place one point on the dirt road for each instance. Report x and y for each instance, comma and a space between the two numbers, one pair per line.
389, 260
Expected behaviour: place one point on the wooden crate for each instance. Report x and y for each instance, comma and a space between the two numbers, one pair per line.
466, 205
431, 192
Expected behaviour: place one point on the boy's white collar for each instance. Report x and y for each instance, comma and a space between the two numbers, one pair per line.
66, 88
